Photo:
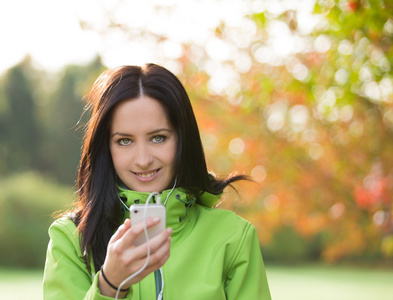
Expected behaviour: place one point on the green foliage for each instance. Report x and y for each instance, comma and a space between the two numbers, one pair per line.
315, 126
64, 124
39, 125
27, 204
259, 19
20, 136
288, 246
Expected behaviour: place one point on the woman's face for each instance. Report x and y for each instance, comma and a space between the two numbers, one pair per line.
143, 145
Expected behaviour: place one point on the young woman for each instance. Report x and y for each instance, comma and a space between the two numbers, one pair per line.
142, 137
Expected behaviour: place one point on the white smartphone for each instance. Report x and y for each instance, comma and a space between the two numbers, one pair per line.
153, 210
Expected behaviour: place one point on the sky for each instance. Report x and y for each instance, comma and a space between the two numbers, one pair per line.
50, 31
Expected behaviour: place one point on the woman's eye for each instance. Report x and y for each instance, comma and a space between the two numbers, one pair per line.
158, 139
124, 142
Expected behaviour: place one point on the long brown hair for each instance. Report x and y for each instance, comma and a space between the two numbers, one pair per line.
98, 212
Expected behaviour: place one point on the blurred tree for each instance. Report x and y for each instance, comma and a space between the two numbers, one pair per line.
64, 123
20, 130
39, 124
330, 117
309, 115
27, 203
353, 92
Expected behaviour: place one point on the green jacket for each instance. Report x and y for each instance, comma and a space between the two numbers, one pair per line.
215, 255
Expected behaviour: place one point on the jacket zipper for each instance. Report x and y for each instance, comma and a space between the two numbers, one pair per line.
157, 278
157, 273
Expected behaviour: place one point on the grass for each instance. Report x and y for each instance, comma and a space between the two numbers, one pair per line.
16, 284
303, 282
320, 282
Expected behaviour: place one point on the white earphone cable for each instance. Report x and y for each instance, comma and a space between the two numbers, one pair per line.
148, 247
147, 241
167, 197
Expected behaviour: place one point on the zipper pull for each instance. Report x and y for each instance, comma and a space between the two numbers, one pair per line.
159, 198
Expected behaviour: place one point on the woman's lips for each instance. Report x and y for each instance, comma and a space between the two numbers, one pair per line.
146, 176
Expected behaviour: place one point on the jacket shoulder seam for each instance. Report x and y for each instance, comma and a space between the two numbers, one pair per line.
238, 249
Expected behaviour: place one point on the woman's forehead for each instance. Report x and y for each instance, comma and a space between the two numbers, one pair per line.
140, 114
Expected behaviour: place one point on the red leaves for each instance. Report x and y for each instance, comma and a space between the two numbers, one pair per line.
352, 6
374, 192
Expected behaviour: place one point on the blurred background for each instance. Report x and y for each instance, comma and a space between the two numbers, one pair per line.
297, 94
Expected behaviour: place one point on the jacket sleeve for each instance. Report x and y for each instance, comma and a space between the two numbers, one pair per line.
66, 275
246, 277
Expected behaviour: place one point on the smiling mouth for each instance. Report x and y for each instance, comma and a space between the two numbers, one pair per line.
146, 175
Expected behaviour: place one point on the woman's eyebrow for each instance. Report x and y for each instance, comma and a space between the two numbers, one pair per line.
151, 132
120, 133
160, 130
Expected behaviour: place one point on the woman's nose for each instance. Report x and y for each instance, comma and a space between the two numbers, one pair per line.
143, 156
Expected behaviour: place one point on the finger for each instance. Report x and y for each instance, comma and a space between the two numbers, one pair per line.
157, 241
157, 256
130, 235
120, 231
148, 270
127, 223
156, 261
155, 244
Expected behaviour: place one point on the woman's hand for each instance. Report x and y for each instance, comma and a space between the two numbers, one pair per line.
124, 259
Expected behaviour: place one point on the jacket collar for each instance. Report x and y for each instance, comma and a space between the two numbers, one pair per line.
178, 203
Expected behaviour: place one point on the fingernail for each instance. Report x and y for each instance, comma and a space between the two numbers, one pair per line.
169, 230
156, 219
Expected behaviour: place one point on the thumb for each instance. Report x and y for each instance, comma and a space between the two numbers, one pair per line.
120, 231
